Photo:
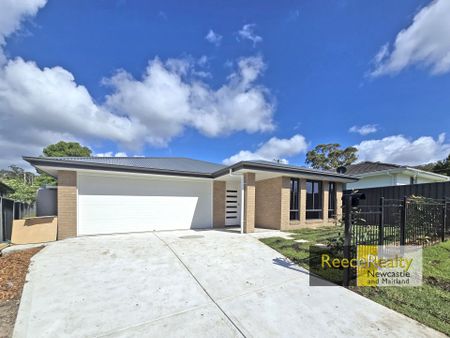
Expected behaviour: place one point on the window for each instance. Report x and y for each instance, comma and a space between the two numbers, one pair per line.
295, 190
331, 200
313, 199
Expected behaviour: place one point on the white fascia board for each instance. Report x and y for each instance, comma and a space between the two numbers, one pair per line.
407, 170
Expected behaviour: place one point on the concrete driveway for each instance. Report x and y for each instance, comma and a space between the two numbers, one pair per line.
189, 284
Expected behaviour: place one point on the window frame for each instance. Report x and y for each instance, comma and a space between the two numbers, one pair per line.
294, 213
316, 212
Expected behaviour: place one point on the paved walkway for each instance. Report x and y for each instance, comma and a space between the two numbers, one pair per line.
189, 284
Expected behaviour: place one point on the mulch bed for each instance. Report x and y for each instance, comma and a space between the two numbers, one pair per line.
13, 270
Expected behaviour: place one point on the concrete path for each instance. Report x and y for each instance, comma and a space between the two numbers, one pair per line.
189, 284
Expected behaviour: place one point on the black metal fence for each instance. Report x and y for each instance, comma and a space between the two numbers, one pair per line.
9, 211
411, 220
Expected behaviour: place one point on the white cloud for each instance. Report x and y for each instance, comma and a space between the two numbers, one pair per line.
165, 101
364, 130
12, 14
401, 150
41, 105
274, 149
214, 37
424, 42
112, 154
248, 32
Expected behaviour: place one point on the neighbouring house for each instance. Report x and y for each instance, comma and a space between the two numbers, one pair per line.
100, 195
378, 174
4, 189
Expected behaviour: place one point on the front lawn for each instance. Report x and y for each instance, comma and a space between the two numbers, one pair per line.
428, 304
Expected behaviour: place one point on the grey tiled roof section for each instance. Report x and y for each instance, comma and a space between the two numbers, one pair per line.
369, 167
157, 163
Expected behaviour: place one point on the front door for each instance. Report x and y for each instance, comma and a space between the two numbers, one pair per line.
233, 203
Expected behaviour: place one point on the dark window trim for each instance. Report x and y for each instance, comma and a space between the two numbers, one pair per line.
294, 202
314, 212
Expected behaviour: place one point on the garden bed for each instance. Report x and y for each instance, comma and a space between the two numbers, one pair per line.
13, 270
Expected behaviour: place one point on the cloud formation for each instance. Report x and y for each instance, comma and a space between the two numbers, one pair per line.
425, 42
273, 149
214, 37
401, 150
364, 130
247, 32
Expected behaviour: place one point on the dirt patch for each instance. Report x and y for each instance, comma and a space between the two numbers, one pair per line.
13, 270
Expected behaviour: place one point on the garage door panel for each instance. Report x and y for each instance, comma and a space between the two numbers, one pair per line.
116, 204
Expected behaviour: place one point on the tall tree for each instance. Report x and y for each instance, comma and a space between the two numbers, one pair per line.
442, 167
331, 156
62, 149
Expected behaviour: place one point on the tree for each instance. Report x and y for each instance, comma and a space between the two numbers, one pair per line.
440, 167
62, 149
23, 183
330, 156
443, 167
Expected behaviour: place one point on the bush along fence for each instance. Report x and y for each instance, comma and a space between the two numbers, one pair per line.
9, 211
412, 220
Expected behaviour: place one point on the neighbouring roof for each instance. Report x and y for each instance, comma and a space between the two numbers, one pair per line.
369, 167
172, 166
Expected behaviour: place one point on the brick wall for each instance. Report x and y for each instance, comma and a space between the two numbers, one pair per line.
67, 204
219, 188
268, 203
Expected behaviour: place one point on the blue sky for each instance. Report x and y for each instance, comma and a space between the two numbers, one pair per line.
273, 80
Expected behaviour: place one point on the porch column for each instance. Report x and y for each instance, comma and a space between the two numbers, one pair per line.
325, 199
339, 201
249, 202
219, 204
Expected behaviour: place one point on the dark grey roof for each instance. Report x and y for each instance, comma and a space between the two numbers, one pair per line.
368, 167
281, 167
175, 164
172, 166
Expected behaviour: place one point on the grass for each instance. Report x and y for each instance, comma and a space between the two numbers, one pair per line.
428, 304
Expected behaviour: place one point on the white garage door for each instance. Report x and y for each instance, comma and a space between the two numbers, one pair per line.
113, 203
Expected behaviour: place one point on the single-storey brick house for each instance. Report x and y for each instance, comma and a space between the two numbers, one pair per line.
103, 195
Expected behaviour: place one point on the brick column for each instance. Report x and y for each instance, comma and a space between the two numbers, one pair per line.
67, 204
285, 202
338, 201
219, 204
325, 200
249, 202
302, 201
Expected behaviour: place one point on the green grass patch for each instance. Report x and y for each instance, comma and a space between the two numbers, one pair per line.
428, 304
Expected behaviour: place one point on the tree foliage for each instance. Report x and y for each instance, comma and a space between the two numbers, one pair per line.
331, 156
440, 167
26, 184
62, 149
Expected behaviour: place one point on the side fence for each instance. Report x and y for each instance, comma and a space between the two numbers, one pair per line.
9, 211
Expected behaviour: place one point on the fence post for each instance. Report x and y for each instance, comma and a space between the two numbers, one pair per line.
444, 223
347, 235
403, 222
381, 226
